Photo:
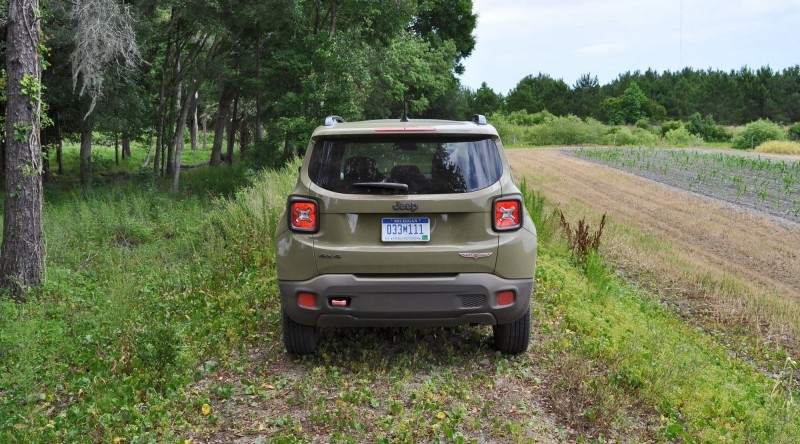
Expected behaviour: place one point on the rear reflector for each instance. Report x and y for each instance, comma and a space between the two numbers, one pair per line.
505, 298
307, 300
507, 214
303, 215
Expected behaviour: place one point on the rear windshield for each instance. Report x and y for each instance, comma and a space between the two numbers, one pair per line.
405, 166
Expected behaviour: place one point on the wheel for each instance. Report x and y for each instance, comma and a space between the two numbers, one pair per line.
299, 339
513, 338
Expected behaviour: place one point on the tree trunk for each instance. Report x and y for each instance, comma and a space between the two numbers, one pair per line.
59, 145
116, 148
259, 128
178, 136
86, 155
219, 125
232, 131
244, 138
205, 135
22, 256
126, 145
187, 105
193, 130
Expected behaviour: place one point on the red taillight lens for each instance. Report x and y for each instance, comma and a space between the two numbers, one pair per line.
303, 215
507, 214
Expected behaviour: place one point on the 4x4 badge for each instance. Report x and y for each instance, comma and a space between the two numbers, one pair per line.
474, 255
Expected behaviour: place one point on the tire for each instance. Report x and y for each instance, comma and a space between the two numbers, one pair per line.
299, 339
513, 338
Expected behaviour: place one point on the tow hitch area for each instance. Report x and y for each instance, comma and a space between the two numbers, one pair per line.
339, 302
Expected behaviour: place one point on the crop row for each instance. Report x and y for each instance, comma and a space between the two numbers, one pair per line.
766, 184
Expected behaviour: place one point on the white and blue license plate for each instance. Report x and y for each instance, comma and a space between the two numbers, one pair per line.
405, 229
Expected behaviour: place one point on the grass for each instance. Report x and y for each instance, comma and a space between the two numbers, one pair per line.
159, 321
779, 147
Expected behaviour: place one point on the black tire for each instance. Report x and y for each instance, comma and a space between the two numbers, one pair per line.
513, 338
299, 339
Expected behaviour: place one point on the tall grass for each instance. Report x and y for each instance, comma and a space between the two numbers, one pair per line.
611, 335
140, 287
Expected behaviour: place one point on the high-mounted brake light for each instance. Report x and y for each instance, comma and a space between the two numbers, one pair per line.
507, 214
303, 215
407, 129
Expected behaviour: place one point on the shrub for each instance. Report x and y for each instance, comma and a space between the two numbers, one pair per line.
581, 240
794, 131
779, 147
619, 136
706, 128
670, 125
680, 137
756, 133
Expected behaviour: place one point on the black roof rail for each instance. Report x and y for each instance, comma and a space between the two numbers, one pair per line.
333, 120
480, 119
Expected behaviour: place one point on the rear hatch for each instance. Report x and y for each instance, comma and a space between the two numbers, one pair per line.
405, 205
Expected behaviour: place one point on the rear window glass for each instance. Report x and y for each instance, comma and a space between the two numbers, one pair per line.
405, 166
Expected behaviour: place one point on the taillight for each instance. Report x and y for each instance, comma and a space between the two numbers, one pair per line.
303, 215
507, 214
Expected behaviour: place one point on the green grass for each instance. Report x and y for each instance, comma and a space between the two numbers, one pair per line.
159, 321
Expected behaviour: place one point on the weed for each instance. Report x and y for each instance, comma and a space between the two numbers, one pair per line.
580, 239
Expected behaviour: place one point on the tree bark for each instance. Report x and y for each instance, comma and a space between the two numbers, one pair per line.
244, 138
187, 105
178, 136
126, 145
116, 148
232, 131
205, 135
59, 145
219, 125
259, 128
86, 155
193, 129
22, 256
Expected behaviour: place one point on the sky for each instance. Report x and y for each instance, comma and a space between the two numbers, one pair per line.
568, 38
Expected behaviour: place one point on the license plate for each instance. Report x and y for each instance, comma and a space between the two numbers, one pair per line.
405, 229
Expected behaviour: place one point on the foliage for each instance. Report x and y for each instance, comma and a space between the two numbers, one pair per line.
533, 94
629, 107
756, 133
794, 131
680, 137
706, 128
670, 125
779, 147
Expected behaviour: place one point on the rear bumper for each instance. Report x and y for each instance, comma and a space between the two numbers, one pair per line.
467, 298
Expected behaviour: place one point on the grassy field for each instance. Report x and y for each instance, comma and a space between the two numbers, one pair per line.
159, 321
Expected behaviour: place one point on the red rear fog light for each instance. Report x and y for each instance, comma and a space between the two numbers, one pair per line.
307, 300
505, 297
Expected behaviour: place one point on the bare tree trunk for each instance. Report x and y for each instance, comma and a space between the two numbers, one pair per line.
86, 155
59, 145
116, 148
126, 145
187, 105
244, 138
259, 128
178, 137
205, 135
22, 257
219, 125
193, 130
232, 131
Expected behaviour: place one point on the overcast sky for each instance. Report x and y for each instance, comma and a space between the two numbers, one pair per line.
567, 38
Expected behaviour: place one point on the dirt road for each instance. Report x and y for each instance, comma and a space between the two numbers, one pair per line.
707, 247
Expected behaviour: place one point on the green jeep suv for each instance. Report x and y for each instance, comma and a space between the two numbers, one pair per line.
405, 223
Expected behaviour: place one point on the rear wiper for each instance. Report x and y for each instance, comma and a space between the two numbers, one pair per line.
384, 185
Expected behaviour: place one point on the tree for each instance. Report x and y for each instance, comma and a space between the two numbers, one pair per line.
487, 101
22, 257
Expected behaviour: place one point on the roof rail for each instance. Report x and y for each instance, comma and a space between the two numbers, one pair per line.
480, 119
333, 120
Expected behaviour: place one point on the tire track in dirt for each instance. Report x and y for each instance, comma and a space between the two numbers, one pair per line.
738, 242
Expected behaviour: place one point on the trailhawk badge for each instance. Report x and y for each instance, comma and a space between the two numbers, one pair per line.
474, 255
